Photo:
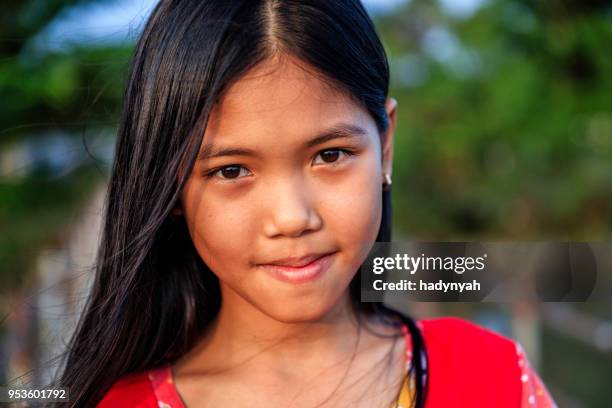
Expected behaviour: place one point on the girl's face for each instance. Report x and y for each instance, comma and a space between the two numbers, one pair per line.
288, 168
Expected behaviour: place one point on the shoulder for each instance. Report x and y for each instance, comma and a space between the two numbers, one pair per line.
457, 332
465, 358
458, 339
132, 390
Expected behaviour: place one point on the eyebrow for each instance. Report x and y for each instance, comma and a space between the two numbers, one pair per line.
338, 131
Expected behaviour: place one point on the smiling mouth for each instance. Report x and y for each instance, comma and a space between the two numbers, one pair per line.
297, 262
300, 270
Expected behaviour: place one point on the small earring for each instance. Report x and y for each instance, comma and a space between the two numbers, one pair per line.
387, 182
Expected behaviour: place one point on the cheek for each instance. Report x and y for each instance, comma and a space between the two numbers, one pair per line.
220, 231
353, 210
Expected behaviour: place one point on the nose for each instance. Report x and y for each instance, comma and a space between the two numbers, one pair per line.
291, 212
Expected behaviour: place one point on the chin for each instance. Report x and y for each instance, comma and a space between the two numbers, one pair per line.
299, 312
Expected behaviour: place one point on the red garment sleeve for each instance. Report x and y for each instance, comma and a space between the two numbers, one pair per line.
471, 366
134, 391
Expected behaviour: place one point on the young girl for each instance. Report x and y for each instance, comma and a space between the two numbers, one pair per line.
252, 176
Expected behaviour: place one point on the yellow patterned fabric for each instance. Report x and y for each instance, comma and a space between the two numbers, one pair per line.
407, 391
406, 395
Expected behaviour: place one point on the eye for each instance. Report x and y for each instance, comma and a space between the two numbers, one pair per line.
229, 172
332, 155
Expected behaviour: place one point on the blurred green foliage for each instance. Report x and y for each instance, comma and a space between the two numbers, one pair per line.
508, 132
44, 89
61, 91
73, 92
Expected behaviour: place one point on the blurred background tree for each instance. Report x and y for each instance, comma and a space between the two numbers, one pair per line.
56, 98
505, 120
505, 133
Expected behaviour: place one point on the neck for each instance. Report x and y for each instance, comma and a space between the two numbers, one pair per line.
242, 334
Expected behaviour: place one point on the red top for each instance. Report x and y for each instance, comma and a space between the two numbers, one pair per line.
468, 366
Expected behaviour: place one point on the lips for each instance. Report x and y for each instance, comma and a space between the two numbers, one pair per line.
297, 262
299, 270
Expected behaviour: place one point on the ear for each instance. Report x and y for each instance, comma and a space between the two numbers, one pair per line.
387, 140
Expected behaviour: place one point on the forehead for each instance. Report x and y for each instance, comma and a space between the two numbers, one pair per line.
281, 97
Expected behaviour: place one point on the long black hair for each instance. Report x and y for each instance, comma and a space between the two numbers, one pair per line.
153, 296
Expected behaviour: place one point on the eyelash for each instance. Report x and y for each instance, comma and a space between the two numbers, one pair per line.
211, 173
